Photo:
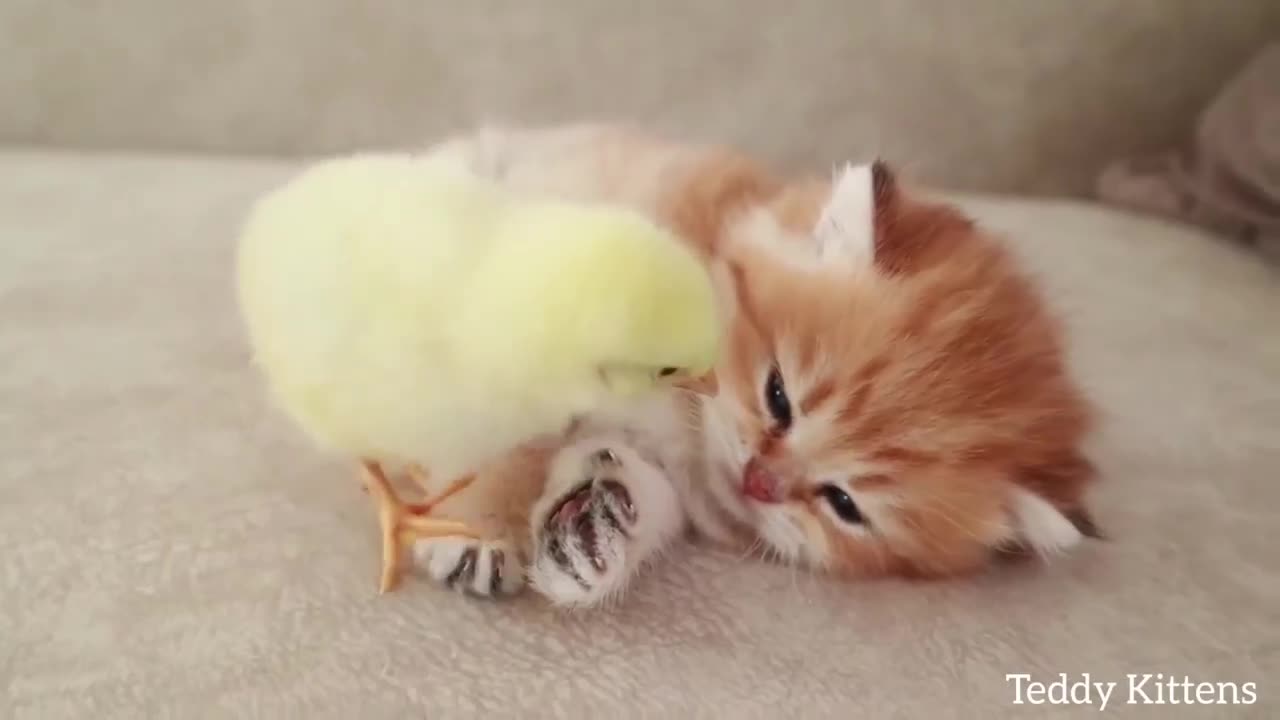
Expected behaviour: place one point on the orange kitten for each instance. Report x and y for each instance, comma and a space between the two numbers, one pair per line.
905, 397
893, 400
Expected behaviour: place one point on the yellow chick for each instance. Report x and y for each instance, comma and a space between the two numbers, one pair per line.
406, 310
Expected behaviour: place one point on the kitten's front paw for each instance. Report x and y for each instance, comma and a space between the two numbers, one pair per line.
606, 511
486, 568
582, 540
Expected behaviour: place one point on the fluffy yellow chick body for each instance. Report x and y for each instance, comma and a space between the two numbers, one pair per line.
406, 310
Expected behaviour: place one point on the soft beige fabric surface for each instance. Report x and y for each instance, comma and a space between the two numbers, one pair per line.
993, 94
168, 548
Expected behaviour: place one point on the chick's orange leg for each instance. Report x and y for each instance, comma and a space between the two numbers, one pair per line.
401, 524
422, 480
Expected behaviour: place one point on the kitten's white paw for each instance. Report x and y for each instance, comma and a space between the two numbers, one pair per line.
486, 568
605, 512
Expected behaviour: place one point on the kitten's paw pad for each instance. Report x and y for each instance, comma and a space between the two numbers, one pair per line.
591, 514
485, 568
582, 543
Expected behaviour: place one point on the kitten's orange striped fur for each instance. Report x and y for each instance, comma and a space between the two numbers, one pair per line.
922, 416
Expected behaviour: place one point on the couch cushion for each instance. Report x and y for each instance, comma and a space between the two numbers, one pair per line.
959, 92
172, 548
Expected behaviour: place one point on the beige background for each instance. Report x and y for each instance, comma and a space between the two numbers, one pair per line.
984, 94
171, 548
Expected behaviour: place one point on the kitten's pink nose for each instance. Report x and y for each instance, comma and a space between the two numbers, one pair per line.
759, 483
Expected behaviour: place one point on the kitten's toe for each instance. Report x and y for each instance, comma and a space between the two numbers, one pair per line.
602, 461
483, 568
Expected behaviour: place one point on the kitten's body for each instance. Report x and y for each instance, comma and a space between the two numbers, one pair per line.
928, 419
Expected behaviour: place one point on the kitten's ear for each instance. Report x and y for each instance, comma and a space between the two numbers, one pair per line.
846, 228
1040, 526
1047, 504
1043, 528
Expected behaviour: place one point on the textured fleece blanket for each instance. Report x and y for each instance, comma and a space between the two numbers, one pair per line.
170, 548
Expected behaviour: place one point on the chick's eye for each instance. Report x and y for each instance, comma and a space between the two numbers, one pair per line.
775, 399
668, 371
843, 505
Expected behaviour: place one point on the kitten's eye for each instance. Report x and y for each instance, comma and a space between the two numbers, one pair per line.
843, 505
775, 399
668, 371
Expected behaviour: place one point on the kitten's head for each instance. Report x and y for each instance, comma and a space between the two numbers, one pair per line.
897, 386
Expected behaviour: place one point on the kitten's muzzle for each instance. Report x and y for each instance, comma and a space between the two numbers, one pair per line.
760, 483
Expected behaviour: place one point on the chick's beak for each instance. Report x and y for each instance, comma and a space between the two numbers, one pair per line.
702, 384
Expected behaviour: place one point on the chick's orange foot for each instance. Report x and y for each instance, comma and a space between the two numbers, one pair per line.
403, 523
